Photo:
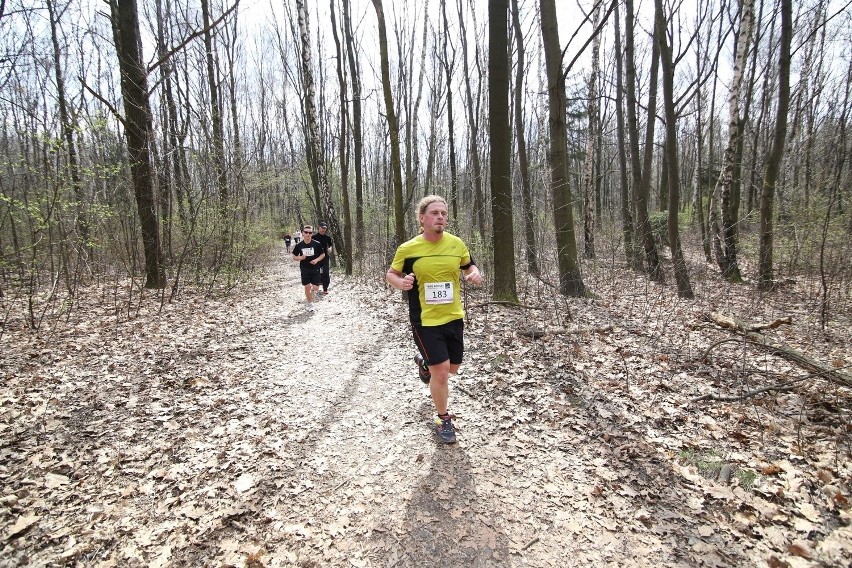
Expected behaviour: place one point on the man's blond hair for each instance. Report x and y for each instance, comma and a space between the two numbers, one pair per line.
308, 228
424, 203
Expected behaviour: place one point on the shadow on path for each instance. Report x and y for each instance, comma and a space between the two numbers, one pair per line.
447, 523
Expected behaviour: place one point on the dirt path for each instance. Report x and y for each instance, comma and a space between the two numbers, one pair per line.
348, 472
254, 433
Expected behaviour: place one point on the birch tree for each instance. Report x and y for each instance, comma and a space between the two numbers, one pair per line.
592, 142
314, 141
725, 236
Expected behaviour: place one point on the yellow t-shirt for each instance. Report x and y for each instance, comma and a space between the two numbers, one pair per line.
435, 298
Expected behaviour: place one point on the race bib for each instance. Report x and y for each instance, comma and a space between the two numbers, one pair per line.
308, 251
439, 292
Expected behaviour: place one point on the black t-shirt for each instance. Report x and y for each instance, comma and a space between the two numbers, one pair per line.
326, 243
287, 239
312, 250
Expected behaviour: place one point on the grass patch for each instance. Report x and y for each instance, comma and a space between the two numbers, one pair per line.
709, 464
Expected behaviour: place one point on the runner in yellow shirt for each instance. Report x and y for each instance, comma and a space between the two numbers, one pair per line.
427, 266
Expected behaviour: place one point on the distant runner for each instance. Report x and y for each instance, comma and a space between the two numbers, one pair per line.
322, 237
309, 254
428, 267
287, 240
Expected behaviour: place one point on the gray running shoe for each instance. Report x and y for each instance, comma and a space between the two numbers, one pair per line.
445, 429
422, 369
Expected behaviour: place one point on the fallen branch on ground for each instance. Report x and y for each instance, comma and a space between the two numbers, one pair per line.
538, 333
782, 387
749, 332
502, 303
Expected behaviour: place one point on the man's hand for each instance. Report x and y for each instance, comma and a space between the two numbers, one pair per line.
473, 277
408, 281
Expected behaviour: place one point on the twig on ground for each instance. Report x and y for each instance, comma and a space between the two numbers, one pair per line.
530, 543
782, 387
503, 303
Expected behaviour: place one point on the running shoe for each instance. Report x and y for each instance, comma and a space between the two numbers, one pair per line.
445, 429
311, 307
422, 369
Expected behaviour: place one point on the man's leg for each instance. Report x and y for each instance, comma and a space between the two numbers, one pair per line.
326, 277
308, 295
439, 386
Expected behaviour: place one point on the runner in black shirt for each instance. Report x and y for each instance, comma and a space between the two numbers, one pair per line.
309, 254
322, 237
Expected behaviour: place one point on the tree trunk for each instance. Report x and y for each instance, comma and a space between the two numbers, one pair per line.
314, 141
449, 68
570, 279
531, 249
218, 131
357, 137
68, 133
392, 125
773, 164
138, 131
478, 198
237, 186
501, 149
435, 96
343, 148
684, 288
642, 168
589, 170
725, 237
630, 252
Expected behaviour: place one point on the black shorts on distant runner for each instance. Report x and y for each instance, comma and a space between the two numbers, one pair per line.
310, 277
437, 343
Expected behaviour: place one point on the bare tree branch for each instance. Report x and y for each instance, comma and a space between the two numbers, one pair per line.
192, 36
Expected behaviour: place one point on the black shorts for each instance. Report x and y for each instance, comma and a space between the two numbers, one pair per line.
437, 343
310, 277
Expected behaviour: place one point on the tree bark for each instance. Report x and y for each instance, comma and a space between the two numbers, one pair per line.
449, 68
68, 131
218, 135
641, 168
357, 137
630, 252
589, 170
314, 141
393, 129
531, 249
501, 149
684, 288
138, 131
773, 164
570, 279
343, 148
726, 236
472, 105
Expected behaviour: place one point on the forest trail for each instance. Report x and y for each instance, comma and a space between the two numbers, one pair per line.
255, 433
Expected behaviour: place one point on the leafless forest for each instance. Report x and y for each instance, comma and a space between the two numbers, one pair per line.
594, 154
